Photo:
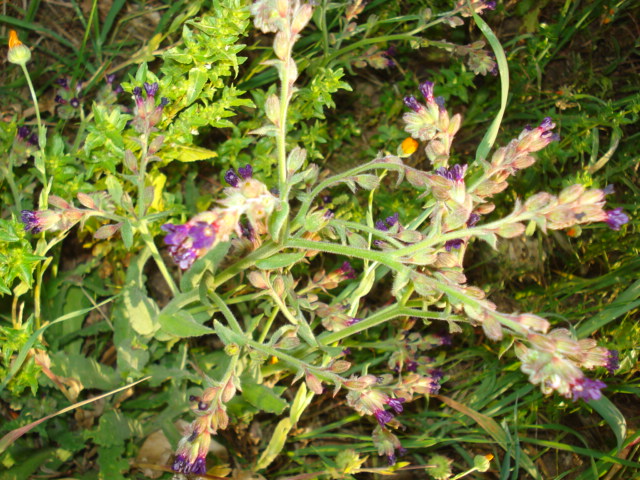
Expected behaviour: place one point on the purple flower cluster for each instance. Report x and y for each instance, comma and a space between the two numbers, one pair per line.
616, 218
181, 464
232, 178
31, 220
25, 135
613, 361
455, 173
587, 389
426, 88
387, 223
347, 271
185, 241
454, 244
385, 416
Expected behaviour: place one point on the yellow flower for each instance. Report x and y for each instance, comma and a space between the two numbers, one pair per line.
18, 52
408, 146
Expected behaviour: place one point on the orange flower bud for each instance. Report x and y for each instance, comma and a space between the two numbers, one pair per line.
409, 146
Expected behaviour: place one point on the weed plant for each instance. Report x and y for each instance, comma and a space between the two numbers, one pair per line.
239, 248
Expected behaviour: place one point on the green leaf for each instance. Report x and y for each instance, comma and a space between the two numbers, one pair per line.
141, 310
227, 335
182, 324
263, 398
277, 221
127, 234
197, 79
280, 260
614, 418
187, 153
113, 462
114, 428
490, 137
276, 444
86, 370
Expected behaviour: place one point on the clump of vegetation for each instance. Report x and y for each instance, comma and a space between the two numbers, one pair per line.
210, 267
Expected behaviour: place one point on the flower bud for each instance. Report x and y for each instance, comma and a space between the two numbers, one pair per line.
18, 52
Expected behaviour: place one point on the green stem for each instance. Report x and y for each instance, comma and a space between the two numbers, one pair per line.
267, 326
380, 257
148, 240
228, 314
380, 317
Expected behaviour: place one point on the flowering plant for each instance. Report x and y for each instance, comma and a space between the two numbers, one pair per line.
240, 262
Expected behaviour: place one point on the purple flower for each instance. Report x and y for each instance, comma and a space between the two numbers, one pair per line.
411, 366
473, 219
164, 101
456, 243
60, 100
118, 89
489, 4
203, 405
352, 321
392, 220
609, 189
613, 361
151, 89
329, 214
380, 225
31, 221
616, 218
231, 177
177, 233
181, 245
182, 464
74, 102
440, 101
327, 198
413, 104
110, 78
199, 467
62, 82
137, 92
203, 234
347, 270
396, 404
426, 88
246, 172
455, 173
383, 417
23, 132
33, 139
445, 338
587, 389
436, 373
